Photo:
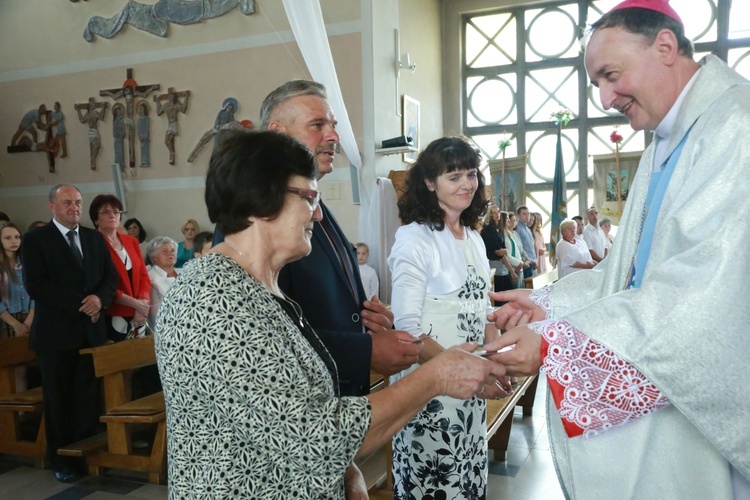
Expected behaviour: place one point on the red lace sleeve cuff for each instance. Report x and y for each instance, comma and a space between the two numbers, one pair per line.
593, 389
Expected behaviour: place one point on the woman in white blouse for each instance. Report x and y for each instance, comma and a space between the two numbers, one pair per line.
572, 254
440, 284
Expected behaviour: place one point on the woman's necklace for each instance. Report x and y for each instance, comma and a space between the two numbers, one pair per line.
114, 241
253, 272
280, 295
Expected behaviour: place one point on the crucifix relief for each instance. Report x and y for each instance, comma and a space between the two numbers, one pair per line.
172, 103
129, 91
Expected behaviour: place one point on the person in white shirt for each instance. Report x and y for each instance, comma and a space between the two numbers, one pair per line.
606, 226
370, 281
594, 236
163, 253
572, 253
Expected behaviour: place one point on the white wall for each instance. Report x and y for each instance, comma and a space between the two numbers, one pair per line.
235, 55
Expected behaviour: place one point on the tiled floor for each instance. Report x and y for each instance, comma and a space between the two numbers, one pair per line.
528, 473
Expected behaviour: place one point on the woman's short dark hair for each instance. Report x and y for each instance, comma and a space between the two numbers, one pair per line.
101, 200
141, 231
644, 22
248, 176
419, 204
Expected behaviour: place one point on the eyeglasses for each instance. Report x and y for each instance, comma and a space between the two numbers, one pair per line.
311, 196
110, 212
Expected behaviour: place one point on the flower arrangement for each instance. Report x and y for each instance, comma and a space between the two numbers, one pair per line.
562, 116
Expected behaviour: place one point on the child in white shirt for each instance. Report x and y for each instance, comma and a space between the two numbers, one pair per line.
370, 281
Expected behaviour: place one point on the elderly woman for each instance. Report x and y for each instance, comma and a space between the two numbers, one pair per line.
162, 252
251, 392
130, 308
571, 253
440, 285
190, 229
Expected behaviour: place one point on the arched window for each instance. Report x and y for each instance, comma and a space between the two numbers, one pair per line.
521, 64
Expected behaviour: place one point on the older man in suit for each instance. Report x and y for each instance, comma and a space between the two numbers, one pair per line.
70, 275
326, 283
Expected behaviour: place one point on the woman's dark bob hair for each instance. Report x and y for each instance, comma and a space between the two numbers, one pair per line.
141, 231
248, 176
100, 201
419, 204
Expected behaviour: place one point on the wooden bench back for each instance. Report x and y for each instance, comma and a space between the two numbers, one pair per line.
111, 361
13, 351
125, 355
541, 280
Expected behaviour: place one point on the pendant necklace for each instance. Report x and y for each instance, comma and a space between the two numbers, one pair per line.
294, 306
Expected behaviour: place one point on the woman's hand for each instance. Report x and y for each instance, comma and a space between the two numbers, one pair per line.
460, 374
141, 307
139, 319
20, 329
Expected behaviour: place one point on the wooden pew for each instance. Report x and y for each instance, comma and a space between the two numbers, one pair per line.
114, 449
541, 280
13, 352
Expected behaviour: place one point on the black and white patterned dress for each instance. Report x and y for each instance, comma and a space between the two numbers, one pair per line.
442, 452
251, 406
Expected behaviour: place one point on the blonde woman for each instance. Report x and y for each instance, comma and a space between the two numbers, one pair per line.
190, 229
541, 247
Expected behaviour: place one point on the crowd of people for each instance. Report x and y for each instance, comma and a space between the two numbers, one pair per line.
280, 311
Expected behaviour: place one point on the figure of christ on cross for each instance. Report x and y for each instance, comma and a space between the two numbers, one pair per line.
171, 104
129, 91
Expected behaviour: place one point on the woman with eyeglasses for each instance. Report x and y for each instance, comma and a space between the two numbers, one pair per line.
440, 284
251, 393
129, 310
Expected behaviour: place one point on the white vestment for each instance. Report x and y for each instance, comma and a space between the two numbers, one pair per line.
684, 328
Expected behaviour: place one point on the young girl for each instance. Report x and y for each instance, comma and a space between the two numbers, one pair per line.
16, 308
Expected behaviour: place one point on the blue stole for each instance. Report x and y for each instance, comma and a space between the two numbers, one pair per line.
656, 188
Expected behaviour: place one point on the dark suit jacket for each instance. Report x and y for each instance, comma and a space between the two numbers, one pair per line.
58, 283
141, 286
318, 284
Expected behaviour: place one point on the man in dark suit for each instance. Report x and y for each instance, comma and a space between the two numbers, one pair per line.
326, 283
69, 273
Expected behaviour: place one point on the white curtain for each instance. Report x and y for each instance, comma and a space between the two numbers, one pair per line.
378, 229
306, 20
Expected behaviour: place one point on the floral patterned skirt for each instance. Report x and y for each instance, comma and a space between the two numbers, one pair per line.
442, 451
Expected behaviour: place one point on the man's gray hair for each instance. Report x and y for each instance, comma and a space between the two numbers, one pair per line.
156, 243
53, 192
292, 88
